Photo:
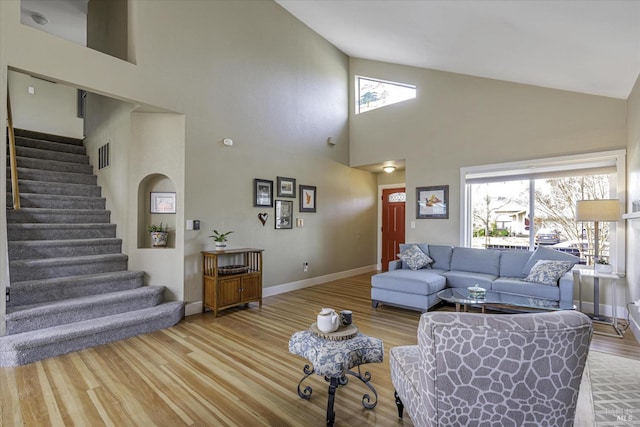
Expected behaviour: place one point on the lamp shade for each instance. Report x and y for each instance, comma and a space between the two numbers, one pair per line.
598, 210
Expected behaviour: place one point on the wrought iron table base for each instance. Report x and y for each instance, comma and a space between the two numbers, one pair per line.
334, 383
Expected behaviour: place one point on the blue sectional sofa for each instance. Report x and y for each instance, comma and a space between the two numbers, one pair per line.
506, 271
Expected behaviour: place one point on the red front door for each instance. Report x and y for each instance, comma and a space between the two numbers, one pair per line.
392, 225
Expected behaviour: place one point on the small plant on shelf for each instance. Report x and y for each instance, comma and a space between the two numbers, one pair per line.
159, 234
157, 228
602, 261
220, 238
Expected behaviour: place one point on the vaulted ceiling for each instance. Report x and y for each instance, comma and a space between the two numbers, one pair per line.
588, 46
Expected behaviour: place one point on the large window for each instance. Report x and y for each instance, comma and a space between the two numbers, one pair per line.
373, 93
525, 205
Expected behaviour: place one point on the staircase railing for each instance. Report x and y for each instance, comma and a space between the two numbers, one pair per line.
12, 157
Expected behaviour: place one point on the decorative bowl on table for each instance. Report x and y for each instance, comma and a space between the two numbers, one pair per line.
476, 292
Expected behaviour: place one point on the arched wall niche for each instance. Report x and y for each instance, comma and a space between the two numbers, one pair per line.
154, 183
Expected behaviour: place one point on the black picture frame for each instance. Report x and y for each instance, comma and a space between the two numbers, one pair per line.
308, 197
284, 214
262, 192
286, 187
432, 202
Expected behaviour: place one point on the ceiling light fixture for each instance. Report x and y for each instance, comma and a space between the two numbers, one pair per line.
389, 169
39, 18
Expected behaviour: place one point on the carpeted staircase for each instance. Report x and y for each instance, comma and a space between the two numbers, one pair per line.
69, 284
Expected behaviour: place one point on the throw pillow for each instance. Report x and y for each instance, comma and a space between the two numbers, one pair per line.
548, 272
415, 258
548, 254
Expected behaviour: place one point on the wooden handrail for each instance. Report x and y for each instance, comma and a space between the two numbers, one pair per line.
12, 157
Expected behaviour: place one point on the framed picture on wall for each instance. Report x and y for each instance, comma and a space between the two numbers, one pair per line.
286, 187
307, 198
163, 203
262, 192
284, 214
432, 202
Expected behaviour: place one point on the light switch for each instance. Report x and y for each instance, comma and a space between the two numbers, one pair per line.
31, 90
413, 224
189, 224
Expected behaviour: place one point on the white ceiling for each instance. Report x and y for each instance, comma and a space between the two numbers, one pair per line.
588, 46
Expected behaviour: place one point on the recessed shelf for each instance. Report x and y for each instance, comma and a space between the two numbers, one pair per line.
631, 215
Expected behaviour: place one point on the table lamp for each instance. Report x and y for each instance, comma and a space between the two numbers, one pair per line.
596, 211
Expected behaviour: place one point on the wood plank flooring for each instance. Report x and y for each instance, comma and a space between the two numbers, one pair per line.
233, 370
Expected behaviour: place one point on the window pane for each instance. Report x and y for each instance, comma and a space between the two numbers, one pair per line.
397, 197
500, 215
374, 94
555, 215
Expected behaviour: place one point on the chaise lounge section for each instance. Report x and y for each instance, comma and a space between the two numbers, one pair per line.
415, 284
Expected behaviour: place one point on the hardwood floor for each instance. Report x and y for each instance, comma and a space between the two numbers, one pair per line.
231, 370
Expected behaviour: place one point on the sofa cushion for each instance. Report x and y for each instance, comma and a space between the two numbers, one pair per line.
422, 282
423, 247
476, 260
550, 255
512, 263
548, 272
465, 279
414, 258
518, 286
441, 256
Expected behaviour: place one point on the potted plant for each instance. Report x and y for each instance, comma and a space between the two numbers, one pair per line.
220, 239
602, 266
159, 234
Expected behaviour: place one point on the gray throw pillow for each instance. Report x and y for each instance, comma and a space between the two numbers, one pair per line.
548, 272
415, 258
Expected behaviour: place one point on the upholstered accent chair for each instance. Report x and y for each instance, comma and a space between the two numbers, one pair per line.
493, 369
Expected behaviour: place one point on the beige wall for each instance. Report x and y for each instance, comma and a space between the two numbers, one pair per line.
52, 108
245, 70
459, 120
633, 194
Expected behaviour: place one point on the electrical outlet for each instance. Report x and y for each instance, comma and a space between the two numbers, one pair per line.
305, 267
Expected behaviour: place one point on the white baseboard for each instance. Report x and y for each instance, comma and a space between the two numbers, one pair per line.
605, 310
193, 308
196, 307
300, 284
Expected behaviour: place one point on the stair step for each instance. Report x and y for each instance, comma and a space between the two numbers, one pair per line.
28, 231
42, 144
54, 176
28, 347
52, 165
58, 216
47, 137
58, 156
39, 316
55, 201
42, 290
50, 268
41, 249
58, 188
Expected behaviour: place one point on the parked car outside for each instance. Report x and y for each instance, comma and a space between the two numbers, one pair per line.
547, 236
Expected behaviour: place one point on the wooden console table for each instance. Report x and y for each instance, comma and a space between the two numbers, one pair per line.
222, 291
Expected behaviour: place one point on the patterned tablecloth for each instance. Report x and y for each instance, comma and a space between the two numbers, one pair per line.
334, 358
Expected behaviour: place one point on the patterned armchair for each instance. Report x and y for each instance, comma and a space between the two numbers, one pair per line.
484, 369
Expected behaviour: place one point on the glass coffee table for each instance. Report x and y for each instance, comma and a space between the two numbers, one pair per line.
460, 297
